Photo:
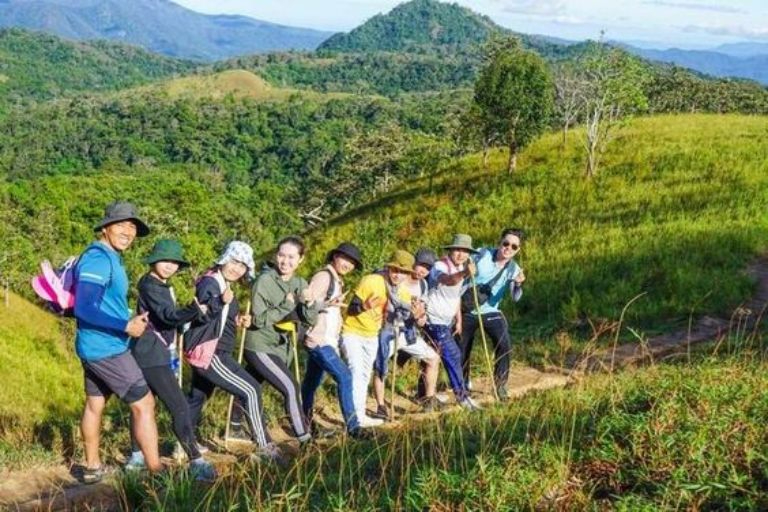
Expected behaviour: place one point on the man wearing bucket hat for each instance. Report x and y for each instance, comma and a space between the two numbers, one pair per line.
444, 309
156, 350
379, 298
104, 328
322, 340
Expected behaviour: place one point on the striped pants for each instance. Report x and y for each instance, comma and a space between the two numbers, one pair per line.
271, 368
225, 373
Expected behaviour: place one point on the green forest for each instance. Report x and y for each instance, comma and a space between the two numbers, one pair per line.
641, 188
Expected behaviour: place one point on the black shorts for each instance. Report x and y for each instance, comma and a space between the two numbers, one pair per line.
117, 374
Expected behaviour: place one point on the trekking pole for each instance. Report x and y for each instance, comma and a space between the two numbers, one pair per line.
291, 327
396, 326
178, 451
239, 361
482, 336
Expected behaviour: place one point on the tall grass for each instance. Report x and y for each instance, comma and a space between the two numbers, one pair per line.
676, 436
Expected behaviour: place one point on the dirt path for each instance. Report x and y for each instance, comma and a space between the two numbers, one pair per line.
54, 488
742, 321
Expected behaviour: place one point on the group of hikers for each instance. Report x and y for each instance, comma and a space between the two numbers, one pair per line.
417, 306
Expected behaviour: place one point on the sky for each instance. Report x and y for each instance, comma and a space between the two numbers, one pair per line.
651, 23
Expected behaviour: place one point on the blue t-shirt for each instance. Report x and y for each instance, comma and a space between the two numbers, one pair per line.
486, 271
103, 266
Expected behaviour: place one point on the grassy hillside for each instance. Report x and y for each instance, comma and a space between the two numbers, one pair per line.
675, 213
236, 83
673, 437
42, 382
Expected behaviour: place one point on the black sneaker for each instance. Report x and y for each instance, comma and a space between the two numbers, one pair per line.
361, 434
381, 412
319, 432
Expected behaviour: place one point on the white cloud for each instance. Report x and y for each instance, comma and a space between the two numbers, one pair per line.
729, 30
696, 6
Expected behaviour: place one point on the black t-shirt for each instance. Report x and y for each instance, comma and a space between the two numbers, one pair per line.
151, 349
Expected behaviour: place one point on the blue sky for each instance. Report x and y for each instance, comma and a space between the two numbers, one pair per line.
684, 23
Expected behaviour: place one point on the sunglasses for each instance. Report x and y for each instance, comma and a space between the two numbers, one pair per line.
507, 243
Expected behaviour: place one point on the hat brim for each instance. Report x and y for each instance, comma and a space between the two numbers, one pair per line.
470, 249
151, 260
399, 267
353, 259
142, 229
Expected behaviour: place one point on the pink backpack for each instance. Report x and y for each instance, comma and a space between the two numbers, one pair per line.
56, 286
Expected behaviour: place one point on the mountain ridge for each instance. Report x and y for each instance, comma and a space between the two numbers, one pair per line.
160, 26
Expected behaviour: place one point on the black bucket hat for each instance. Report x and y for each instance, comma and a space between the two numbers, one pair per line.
167, 250
426, 257
120, 211
347, 250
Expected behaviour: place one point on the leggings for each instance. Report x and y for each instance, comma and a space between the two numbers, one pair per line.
162, 382
271, 368
227, 374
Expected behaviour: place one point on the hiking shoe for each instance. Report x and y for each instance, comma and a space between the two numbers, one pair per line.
270, 454
319, 432
240, 435
366, 421
361, 434
93, 475
502, 393
431, 404
203, 449
469, 404
202, 470
135, 462
382, 413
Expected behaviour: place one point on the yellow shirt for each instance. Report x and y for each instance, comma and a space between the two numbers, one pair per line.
368, 323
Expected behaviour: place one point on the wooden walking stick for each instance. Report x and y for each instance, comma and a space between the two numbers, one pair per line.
178, 451
396, 325
239, 361
291, 327
482, 337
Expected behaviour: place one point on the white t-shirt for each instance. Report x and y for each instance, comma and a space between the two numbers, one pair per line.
442, 300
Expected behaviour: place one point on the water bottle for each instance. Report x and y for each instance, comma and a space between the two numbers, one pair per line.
175, 361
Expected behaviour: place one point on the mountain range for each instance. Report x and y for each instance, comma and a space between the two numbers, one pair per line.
158, 25
167, 28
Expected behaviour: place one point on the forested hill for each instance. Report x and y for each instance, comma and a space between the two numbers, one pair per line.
159, 25
428, 26
41, 66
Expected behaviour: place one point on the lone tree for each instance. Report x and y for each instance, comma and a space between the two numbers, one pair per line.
613, 91
513, 95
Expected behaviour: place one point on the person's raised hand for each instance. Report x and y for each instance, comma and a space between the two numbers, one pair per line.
228, 296
372, 302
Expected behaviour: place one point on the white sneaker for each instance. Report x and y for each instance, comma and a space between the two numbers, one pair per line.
135, 462
470, 404
366, 421
442, 398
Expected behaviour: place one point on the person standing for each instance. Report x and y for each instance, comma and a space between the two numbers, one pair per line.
497, 272
278, 295
444, 311
156, 351
104, 328
211, 340
322, 339
376, 295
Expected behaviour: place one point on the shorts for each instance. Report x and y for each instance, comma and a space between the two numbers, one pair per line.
119, 375
419, 350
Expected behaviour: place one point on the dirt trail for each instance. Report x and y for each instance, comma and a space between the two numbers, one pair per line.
742, 320
54, 488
